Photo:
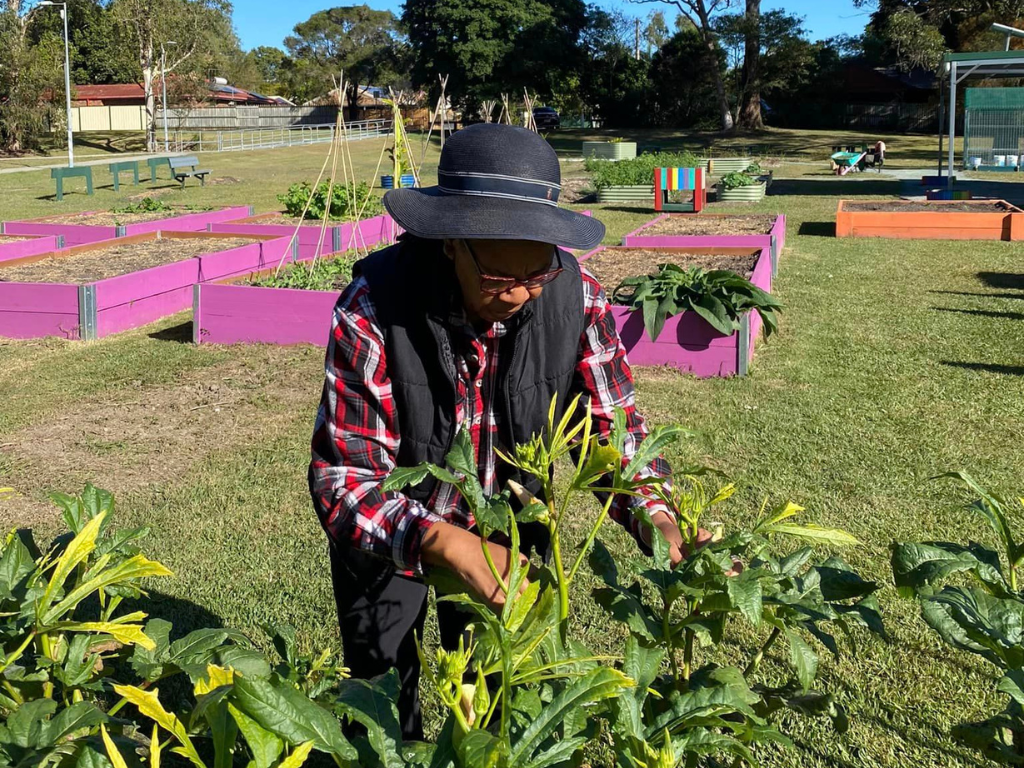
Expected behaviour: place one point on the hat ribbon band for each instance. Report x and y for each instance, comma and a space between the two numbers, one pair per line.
504, 187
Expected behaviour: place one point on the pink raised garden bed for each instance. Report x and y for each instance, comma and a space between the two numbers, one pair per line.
97, 309
18, 247
79, 234
688, 342
773, 241
227, 313
339, 237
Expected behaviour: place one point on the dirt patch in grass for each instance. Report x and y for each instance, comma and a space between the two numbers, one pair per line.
109, 219
894, 206
130, 438
111, 261
219, 181
710, 225
613, 265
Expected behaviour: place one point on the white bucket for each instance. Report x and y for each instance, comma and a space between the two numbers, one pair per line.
1000, 160
975, 162
1011, 161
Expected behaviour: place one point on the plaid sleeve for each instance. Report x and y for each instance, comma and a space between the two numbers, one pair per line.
603, 374
355, 442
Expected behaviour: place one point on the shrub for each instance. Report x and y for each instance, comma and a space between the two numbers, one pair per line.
639, 170
737, 180
346, 201
719, 296
980, 613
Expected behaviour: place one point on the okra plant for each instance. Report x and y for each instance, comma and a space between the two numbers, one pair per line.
678, 614
533, 685
983, 616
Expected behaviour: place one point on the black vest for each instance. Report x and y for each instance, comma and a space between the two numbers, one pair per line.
413, 286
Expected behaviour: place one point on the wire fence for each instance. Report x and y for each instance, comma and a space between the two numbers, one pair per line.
271, 138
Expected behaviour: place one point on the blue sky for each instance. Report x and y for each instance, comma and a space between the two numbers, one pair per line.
266, 22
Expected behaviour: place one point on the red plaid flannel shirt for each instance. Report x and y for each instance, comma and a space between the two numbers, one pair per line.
356, 437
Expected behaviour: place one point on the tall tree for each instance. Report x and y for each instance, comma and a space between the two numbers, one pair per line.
355, 39
750, 86
700, 14
270, 63
197, 28
30, 77
99, 54
494, 47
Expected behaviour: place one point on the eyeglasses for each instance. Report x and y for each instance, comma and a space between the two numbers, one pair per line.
495, 286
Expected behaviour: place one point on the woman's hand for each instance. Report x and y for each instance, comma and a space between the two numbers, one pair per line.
458, 550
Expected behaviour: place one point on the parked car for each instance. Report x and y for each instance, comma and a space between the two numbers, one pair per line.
546, 118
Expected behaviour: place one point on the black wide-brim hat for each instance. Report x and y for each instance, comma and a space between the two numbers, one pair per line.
494, 182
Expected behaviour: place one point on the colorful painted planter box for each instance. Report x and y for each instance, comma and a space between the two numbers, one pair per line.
340, 237
19, 247
94, 310
942, 220
773, 241
688, 342
79, 234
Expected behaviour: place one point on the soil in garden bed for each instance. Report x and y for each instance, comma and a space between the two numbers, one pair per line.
291, 221
325, 274
689, 224
895, 206
12, 238
612, 266
108, 219
101, 263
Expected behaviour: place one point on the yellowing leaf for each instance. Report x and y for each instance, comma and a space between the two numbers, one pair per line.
216, 677
155, 748
298, 756
779, 514
816, 533
725, 492
150, 706
113, 753
128, 634
76, 552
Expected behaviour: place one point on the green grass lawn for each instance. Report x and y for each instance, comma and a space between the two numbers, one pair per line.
896, 361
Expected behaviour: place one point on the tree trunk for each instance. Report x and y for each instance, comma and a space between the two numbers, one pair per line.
750, 109
712, 61
146, 60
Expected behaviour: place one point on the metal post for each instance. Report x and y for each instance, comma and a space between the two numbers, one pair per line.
942, 119
952, 122
163, 88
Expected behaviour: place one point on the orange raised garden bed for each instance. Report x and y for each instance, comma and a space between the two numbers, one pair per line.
930, 220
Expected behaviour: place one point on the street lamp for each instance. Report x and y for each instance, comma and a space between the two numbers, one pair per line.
163, 85
67, 78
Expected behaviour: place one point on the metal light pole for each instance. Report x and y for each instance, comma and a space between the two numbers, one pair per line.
163, 86
67, 78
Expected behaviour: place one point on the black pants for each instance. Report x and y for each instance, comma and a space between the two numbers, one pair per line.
381, 613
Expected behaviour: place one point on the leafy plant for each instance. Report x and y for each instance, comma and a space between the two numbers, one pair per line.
738, 180
145, 205
754, 169
638, 170
719, 296
699, 710
527, 705
330, 273
345, 201
982, 617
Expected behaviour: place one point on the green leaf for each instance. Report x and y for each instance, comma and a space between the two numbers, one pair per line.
1012, 684
842, 584
745, 594
27, 724
81, 715
831, 536
479, 749
263, 744
628, 608
462, 457
288, 713
597, 685
15, 564
402, 477
560, 754
975, 621
601, 460
917, 565
654, 320
653, 446
803, 658
493, 515
714, 311
990, 507
373, 706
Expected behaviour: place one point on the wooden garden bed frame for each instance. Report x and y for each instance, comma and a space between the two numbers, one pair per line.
94, 310
339, 237
79, 234
688, 342
932, 225
31, 246
774, 241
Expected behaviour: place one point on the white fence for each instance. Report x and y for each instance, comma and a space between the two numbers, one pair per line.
269, 138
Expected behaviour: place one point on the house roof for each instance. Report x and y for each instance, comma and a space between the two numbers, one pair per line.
119, 91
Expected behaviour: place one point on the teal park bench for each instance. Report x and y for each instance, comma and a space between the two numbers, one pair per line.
183, 167
116, 169
155, 164
60, 174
